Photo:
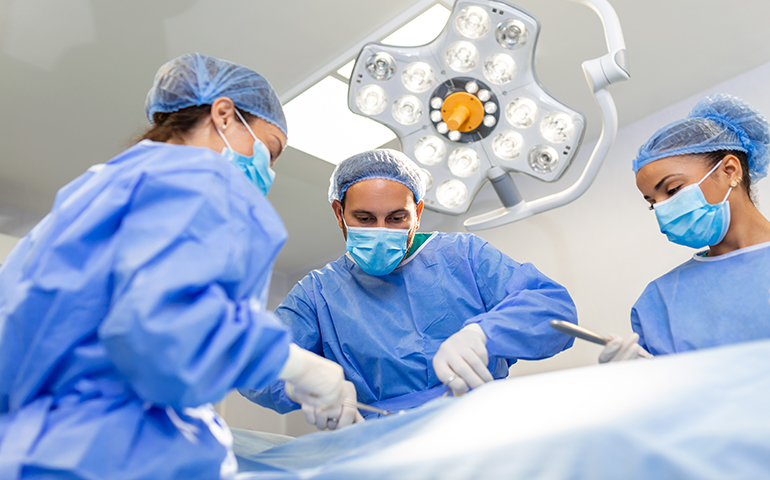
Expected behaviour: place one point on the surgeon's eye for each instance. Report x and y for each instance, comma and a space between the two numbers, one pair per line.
673, 191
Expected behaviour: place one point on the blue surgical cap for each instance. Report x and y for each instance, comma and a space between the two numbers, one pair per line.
383, 163
195, 79
718, 122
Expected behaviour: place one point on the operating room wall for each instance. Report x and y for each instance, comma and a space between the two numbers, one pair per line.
605, 247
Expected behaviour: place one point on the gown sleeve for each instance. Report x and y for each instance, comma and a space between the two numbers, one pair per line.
649, 312
520, 303
298, 313
186, 324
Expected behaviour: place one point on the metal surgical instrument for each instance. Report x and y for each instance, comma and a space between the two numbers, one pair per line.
579, 332
368, 408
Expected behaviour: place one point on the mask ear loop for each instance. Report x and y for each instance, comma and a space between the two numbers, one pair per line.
224, 139
709, 174
248, 127
728, 194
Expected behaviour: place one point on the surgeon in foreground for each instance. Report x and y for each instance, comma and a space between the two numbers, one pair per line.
406, 313
140, 297
698, 175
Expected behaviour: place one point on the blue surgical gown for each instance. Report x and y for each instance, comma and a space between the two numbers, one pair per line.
385, 330
138, 299
706, 302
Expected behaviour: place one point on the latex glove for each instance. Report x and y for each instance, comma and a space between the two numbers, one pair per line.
311, 379
334, 418
619, 350
461, 361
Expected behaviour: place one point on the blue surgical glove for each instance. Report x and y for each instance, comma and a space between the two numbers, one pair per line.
461, 361
619, 350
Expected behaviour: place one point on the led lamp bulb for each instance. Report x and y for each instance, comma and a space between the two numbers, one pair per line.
427, 179
371, 99
407, 110
499, 68
464, 162
462, 56
381, 66
452, 193
473, 22
512, 34
543, 159
418, 77
557, 127
429, 150
521, 112
508, 145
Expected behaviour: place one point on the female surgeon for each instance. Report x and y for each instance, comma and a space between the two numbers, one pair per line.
697, 174
140, 298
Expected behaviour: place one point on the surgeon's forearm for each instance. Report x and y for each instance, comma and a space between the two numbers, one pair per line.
521, 330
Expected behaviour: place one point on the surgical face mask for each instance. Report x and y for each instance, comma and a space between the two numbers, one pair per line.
257, 166
377, 250
688, 219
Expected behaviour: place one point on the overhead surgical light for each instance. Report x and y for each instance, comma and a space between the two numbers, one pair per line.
468, 108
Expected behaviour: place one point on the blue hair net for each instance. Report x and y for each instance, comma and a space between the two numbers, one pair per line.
718, 122
195, 79
382, 163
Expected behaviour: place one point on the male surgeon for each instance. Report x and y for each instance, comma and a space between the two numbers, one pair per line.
405, 313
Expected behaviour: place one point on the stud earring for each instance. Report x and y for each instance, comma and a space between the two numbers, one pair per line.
224, 126
734, 183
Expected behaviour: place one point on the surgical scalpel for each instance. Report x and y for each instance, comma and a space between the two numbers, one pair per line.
368, 408
579, 332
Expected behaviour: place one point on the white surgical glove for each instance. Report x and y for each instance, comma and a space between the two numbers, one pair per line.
311, 379
461, 361
337, 417
619, 350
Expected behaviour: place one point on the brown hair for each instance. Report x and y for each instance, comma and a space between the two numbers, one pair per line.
712, 158
168, 125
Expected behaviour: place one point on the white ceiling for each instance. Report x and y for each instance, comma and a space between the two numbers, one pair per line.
74, 74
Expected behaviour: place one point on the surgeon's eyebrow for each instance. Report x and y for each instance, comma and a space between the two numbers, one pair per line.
362, 212
400, 210
663, 180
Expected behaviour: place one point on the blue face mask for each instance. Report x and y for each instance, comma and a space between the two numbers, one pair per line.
257, 166
377, 250
688, 219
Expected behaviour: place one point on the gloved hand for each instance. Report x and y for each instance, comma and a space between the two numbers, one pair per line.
311, 379
461, 361
618, 350
337, 417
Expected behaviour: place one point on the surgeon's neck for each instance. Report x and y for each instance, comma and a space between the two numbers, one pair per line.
747, 227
